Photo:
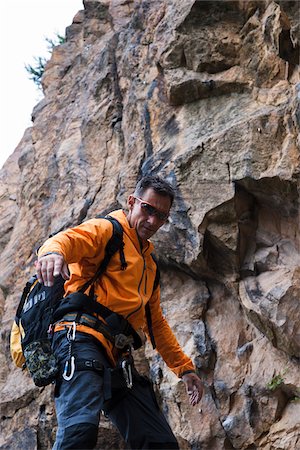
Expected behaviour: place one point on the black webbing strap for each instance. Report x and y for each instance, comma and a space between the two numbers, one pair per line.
89, 364
119, 243
149, 324
147, 307
157, 275
25, 293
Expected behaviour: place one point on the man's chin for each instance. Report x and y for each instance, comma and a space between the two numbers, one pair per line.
145, 234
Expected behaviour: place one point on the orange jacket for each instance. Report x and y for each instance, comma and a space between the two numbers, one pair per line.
123, 291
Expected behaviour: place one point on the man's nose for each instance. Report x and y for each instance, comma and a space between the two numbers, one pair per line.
153, 220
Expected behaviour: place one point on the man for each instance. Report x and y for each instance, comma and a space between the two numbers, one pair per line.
82, 394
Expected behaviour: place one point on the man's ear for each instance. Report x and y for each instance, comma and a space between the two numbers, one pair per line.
130, 201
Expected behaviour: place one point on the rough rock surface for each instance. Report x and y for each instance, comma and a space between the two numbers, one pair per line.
205, 93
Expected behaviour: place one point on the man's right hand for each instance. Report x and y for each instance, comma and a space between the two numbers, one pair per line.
50, 266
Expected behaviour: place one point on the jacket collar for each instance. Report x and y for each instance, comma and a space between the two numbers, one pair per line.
120, 215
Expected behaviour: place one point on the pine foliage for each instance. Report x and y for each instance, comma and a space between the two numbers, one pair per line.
37, 69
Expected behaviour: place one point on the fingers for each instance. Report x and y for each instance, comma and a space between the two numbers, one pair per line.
194, 388
65, 272
50, 266
195, 396
55, 267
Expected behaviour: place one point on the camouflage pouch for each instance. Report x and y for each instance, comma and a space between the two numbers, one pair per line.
41, 362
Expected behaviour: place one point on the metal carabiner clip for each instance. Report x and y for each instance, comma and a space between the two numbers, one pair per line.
126, 367
66, 368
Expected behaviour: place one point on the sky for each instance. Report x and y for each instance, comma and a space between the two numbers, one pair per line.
24, 26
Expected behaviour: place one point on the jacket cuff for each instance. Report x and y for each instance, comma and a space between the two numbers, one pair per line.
50, 253
186, 372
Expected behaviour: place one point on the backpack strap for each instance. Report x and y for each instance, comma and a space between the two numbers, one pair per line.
24, 296
116, 242
149, 324
147, 307
157, 275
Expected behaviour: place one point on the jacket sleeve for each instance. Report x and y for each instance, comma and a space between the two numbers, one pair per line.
87, 240
166, 342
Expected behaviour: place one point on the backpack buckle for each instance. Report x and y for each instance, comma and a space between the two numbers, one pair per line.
121, 340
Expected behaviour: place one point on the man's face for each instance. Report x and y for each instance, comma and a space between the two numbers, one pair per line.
148, 212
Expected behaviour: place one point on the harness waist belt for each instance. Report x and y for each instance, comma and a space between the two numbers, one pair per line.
83, 318
89, 321
119, 340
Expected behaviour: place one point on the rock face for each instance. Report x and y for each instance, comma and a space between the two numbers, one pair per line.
205, 93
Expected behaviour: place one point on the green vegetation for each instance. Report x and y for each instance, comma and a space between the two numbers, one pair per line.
36, 70
276, 381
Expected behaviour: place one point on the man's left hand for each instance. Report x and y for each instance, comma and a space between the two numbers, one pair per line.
194, 387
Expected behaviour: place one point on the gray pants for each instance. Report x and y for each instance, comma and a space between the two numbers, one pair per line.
80, 400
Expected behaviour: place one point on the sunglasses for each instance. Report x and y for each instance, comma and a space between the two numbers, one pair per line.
152, 211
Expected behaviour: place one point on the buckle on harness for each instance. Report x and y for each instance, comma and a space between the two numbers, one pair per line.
93, 364
121, 341
71, 332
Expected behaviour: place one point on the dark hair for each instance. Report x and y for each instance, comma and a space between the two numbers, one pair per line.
156, 183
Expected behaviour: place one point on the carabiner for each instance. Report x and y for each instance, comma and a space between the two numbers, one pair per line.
126, 367
66, 368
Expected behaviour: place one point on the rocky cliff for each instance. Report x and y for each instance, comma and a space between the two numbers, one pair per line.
206, 94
